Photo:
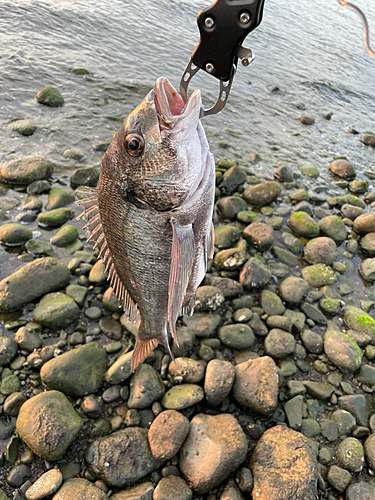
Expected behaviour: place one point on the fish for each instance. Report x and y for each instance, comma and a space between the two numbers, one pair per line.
151, 213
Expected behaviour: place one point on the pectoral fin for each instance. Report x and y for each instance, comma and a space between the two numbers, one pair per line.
183, 248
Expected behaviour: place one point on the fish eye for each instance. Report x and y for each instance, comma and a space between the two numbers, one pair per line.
134, 144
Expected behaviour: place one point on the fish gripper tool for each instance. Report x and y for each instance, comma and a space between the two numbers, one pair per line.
223, 27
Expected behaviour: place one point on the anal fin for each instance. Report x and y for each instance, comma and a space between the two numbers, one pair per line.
142, 349
183, 249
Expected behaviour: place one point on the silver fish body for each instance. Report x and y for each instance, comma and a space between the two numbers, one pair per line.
151, 215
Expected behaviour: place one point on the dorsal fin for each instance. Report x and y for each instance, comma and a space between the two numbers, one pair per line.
94, 224
182, 262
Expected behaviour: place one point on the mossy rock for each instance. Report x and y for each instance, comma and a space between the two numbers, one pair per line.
58, 198
65, 236
78, 372
319, 275
48, 424
358, 320
342, 351
85, 176
56, 310
31, 281
49, 96
14, 234
23, 127
27, 170
226, 236
308, 169
79, 71
54, 218
303, 225
72, 154
38, 248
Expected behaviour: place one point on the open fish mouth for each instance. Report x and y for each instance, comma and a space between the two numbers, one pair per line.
170, 106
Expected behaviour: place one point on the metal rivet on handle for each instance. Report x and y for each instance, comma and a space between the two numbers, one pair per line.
210, 67
245, 18
209, 22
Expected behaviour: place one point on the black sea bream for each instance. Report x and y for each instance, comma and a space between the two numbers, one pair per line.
151, 214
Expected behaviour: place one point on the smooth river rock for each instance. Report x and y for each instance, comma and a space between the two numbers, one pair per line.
122, 458
256, 384
214, 448
27, 170
77, 372
48, 424
79, 489
283, 466
31, 282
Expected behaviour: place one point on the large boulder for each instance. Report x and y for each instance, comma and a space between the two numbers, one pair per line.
31, 282
283, 466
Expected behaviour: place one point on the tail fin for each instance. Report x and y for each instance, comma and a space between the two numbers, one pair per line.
142, 349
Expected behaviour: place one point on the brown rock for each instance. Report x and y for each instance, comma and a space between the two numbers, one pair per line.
256, 384
167, 434
79, 489
283, 466
343, 168
262, 194
215, 447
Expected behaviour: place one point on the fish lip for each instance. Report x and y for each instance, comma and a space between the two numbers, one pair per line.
162, 104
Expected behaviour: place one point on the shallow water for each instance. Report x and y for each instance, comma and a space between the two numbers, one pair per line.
314, 54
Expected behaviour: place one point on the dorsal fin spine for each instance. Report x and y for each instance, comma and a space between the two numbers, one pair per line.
94, 224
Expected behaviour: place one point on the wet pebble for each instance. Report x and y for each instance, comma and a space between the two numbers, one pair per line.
182, 396
47, 484
172, 487
256, 385
218, 381
186, 370
146, 386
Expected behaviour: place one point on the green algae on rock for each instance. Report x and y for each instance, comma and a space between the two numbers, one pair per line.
182, 396
56, 310
14, 234
57, 424
65, 236
58, 198
32, 281
23, 127
303, 225
319, 275
49, 96
342, 351
78, 372
54, 218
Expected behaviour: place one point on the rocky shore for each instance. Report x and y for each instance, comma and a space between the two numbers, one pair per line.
272, 393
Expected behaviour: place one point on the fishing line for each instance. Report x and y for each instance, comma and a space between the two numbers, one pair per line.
366, 35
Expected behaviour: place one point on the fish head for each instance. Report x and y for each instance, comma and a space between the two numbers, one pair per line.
159, 153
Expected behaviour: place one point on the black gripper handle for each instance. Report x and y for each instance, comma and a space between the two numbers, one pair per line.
218, 45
